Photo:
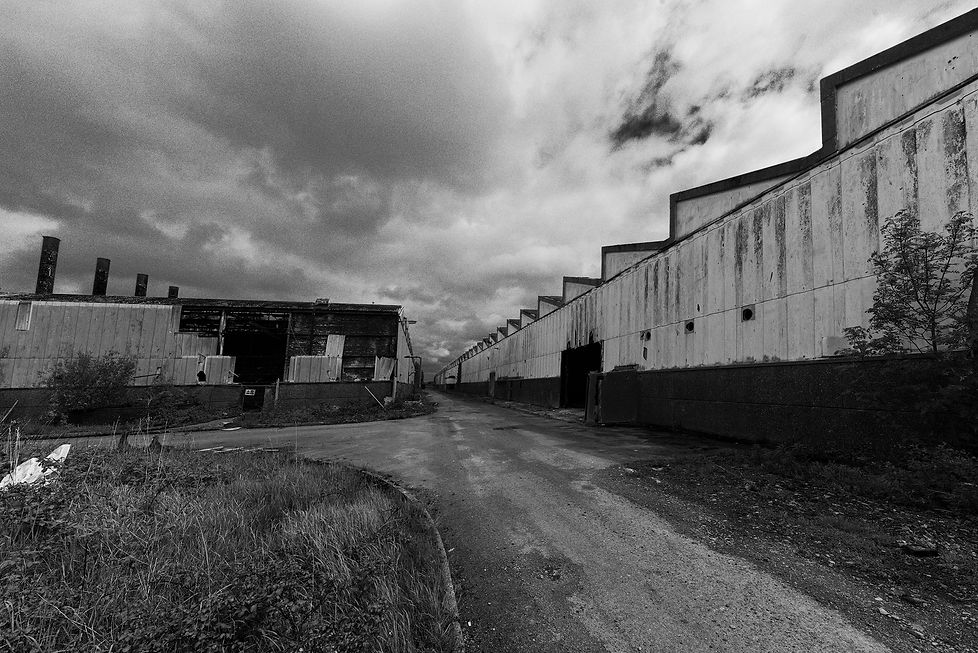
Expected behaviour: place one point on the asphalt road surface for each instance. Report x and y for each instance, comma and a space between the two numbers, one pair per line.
547, 560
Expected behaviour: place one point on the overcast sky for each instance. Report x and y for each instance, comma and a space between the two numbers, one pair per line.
454, 157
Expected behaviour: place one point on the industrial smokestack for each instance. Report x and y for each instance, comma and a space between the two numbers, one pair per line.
47, 266
174, 292
101, 282
142, 282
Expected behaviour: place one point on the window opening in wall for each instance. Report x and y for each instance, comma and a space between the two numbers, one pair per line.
747, 313
23, 316
690, 327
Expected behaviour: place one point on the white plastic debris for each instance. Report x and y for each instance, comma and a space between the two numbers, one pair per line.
31, 470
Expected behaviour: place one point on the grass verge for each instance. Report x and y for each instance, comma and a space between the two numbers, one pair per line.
178, 550
326, 413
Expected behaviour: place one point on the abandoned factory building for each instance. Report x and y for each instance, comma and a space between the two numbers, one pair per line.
732, 324
189, 341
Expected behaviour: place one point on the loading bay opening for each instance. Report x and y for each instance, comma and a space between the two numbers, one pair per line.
575, 364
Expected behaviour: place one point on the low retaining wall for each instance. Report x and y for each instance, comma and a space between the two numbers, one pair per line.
35, 402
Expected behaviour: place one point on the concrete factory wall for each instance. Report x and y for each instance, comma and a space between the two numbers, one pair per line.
772, 265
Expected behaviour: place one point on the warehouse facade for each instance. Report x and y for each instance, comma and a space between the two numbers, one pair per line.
232, 351
732, 324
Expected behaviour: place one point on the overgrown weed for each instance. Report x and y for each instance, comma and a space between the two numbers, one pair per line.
133, 551
326, 413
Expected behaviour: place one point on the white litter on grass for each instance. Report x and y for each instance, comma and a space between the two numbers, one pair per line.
31, 470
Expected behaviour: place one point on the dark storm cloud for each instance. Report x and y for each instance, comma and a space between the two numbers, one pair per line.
650, 113
654, 113
341, 92
770, 81
174, 127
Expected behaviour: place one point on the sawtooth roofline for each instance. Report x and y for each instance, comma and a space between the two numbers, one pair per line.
788, 170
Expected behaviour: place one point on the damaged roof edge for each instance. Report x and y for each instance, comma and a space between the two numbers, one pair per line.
258, 304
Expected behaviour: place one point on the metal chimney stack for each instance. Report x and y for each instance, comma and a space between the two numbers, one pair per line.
47, 266
174, 292
142, 283
101, 282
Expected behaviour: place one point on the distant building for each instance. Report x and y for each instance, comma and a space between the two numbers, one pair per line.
237, 342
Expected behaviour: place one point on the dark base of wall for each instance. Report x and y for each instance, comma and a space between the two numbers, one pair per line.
768, 402
539, 392
337, 394
815, 401
34, 403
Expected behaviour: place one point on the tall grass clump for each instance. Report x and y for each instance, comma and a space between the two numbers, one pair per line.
184, 551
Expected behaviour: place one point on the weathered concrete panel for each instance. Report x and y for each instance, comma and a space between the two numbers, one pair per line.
942, 167
614, 261
693, 213
801, 326
871, 101
896, 166
970, 109
860, 220
798, 239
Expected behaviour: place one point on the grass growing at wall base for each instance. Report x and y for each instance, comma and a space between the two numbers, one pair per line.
185, 551
326, 413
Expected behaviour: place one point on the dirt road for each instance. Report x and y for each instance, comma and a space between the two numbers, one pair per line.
546, 559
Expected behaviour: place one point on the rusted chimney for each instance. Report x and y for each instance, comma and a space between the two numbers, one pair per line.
47, 265
101, 282
173, 292
142, 283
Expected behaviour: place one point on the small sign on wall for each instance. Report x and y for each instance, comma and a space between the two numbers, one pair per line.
249, 392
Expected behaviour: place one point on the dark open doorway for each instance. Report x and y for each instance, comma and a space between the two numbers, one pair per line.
258, 344
574, 367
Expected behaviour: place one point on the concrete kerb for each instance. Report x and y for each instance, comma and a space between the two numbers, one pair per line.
450, 600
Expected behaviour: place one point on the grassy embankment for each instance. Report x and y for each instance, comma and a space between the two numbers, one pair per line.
180, 551
325, 413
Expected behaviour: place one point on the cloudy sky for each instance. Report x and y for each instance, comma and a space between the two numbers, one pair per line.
456, 157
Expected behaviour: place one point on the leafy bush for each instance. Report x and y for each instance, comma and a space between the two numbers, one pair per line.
85, 382
922, 284
921, 305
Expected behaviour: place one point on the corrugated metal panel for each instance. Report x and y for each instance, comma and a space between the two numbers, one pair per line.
219, 369
383, 368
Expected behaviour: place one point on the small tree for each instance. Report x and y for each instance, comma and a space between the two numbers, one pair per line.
84, 382
923, 281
